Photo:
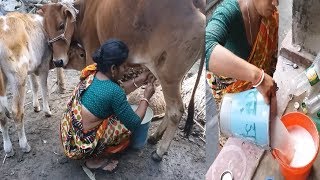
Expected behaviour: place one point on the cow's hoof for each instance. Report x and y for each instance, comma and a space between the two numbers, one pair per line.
36, 109
8, 114
62, 90
26, 149
48, 114
156, 157
10, 154
152, 140
7, 147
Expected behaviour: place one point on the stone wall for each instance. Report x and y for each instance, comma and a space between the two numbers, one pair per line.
306, 25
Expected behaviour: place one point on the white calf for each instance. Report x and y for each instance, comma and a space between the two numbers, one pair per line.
23, 51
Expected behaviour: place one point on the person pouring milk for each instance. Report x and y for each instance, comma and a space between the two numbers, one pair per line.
240, 55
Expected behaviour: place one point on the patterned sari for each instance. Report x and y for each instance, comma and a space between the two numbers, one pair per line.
263, 55
109, 137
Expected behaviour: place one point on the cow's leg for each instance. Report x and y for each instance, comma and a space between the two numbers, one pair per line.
156, 136
35, 88
18, 89
45, 94
60, 79
174, 111
7, 145
4, 114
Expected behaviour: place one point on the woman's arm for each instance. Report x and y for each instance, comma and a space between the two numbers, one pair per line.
142, 108
131, 85
223, 62
124, 112
131, 119
148, 92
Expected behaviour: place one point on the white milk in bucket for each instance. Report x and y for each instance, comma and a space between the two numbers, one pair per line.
147, 117
304, 146
246, 115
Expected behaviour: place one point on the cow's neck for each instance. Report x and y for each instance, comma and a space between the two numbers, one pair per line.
80, 6
85, 32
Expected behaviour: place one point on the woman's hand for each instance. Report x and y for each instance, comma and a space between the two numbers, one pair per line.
149, 91
144, 78
151, 79
267, 88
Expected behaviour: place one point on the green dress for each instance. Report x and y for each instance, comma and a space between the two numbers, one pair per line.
104, 98
226, 27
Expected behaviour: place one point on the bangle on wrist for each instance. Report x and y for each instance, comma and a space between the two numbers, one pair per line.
134, 83
260, 79
145, 99
120, 84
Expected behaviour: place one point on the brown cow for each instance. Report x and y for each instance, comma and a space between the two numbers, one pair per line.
167, 36
24, 51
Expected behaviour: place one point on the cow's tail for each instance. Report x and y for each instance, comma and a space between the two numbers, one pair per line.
189, 122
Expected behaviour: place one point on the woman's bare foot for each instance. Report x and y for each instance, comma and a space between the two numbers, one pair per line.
94, 163
103, 164
111, 166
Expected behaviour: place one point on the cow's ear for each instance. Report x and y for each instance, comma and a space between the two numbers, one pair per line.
41, 8
71, 12
40, 12
113, 67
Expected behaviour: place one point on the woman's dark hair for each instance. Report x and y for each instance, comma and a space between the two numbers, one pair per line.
112, 52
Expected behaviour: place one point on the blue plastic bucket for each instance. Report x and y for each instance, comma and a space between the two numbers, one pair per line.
139, 136
246, 115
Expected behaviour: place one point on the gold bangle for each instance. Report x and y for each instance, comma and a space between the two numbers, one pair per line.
121, 84
145, 99
134, 83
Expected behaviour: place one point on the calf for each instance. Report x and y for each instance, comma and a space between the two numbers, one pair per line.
77, 57
24, 51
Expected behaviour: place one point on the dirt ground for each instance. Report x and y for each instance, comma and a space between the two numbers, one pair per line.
185, 159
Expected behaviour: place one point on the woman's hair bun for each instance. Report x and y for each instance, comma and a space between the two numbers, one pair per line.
112, 52
97, 56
